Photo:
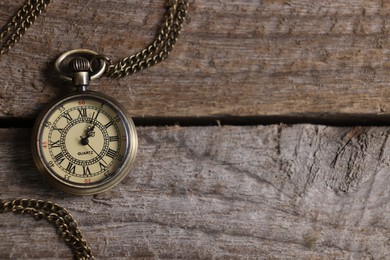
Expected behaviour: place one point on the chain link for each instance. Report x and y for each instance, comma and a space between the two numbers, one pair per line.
160, 48
58, 216
17, 26
156, 52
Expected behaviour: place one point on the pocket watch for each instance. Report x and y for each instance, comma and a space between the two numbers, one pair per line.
84, 143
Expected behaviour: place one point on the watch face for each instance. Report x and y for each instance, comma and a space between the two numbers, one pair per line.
84, 143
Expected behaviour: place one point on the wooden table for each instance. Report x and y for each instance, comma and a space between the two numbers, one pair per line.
263, 136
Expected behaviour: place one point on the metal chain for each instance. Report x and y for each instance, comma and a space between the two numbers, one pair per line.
156, 52
17, 26
58, 216
160, 48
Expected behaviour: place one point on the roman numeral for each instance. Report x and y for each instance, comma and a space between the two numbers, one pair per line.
109, 124
111, 153
114, 138
102, 166
67, 116
82, 112
97, 114
55, 144
86, 170
58, 129
71, 168
59, 158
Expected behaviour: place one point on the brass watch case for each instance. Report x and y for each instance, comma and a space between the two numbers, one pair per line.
84, 189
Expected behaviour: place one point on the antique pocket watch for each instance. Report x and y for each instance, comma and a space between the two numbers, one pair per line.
84, 143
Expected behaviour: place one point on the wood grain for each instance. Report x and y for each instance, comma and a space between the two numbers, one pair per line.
266, 192
235, 58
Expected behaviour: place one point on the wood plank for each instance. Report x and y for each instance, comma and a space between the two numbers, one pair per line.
272, 192
237, 58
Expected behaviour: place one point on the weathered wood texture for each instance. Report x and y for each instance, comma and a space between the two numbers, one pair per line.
241, 58
271, 192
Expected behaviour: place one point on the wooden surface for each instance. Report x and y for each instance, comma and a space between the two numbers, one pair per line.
267, 192
244, 192
237, 58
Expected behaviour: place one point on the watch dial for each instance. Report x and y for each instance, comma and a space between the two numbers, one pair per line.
83, 141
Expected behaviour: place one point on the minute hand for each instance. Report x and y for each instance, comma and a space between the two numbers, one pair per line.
95, 152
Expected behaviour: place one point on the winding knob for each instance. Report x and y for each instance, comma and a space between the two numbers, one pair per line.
80, 68
79, 64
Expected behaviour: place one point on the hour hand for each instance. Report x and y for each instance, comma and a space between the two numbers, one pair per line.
90, 131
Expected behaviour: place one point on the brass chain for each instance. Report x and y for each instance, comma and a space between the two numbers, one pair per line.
55, 214
160, 48
156, 52
17, 26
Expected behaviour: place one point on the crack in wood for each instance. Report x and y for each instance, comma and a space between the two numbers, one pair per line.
341, 120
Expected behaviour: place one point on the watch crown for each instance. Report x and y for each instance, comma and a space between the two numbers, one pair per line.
79, 64
80, 67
